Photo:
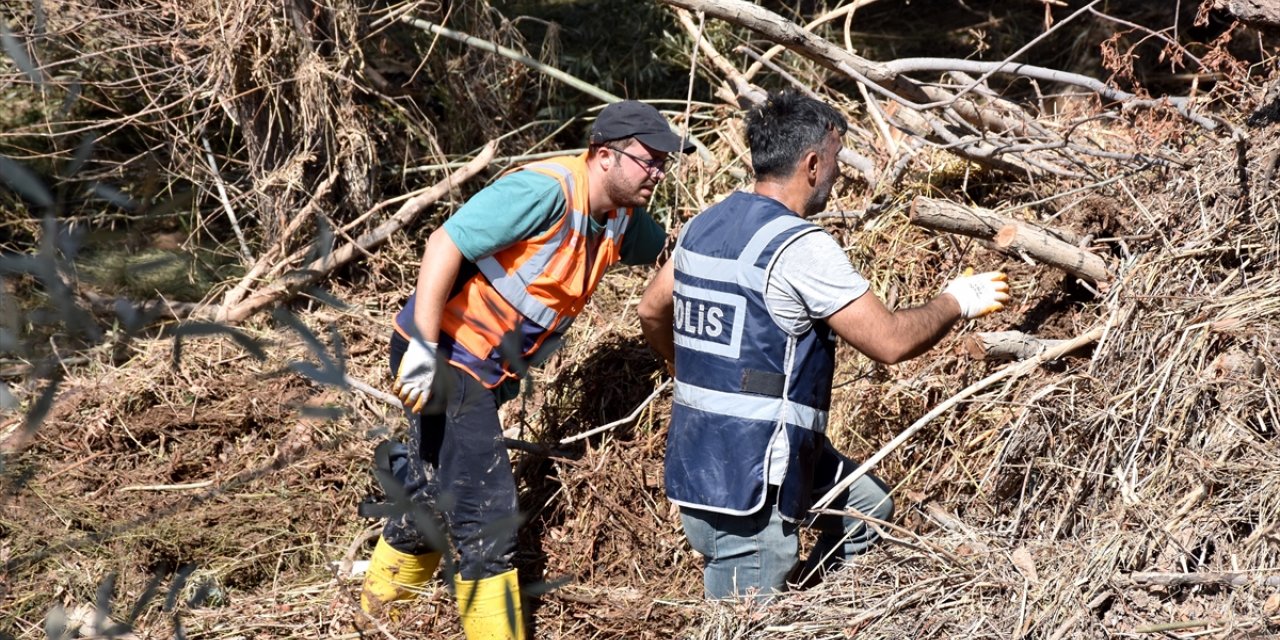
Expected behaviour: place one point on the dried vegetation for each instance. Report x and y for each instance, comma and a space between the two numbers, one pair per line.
1128, 489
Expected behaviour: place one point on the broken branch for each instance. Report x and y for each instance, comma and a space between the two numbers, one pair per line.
325, 265
1011, 371
1006, 345
1011, 236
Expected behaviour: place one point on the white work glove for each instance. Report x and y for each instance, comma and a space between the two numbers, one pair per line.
417, 370
979, 294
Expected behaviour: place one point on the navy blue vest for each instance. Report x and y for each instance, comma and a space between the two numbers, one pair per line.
741, 380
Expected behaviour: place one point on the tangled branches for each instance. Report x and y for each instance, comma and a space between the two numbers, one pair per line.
960, 112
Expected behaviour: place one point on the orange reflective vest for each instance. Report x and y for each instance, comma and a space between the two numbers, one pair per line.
513, 312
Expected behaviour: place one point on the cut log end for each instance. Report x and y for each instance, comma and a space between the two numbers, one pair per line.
1006, 345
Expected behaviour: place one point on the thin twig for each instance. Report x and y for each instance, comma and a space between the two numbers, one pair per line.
617, 423
226, 201
364, 387
321, 267
1012, 371
547, 70
1232, 578
168, 487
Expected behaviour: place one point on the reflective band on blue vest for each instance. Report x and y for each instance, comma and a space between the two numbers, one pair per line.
766, 234
748, 275
749, 407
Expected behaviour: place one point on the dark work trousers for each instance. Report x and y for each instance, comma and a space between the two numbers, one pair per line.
458, 471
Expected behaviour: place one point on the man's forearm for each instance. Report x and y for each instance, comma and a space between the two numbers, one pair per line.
893, 336
659, 334
918, 329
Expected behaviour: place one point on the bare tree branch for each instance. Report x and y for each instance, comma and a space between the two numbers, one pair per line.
321, 267
970, 121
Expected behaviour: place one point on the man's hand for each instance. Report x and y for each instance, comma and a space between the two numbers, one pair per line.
979, 294
417, 370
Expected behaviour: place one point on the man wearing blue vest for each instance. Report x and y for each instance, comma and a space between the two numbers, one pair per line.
748, 309
499, 284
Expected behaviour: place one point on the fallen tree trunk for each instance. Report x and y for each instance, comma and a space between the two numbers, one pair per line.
976, 222
941, 215
1041, 245
1011, 236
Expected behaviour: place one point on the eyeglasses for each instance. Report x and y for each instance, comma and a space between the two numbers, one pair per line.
650, 165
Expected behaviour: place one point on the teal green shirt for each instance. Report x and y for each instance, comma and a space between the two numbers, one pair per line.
524, 204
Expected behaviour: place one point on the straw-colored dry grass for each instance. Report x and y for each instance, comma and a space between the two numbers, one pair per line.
1023, 512
1151, 453
1026, 511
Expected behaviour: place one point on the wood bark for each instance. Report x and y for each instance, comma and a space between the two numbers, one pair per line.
940, 215
1256, 12
1006, 345
975, 222
1043, 246
1009, 235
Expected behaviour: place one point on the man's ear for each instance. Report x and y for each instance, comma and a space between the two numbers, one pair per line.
811, 162
603, 156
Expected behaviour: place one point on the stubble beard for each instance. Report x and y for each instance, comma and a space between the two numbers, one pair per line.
818, 199
624, 195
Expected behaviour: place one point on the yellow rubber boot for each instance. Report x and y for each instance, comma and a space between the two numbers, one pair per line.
393, 575
490, 608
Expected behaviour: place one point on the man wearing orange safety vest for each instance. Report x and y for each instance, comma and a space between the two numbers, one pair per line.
499, 284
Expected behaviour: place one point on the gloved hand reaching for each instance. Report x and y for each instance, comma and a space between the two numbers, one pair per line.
979, 294
417, 370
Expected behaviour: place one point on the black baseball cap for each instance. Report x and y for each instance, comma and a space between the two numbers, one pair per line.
630, 118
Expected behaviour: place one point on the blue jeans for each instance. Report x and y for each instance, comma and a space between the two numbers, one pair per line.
756, 554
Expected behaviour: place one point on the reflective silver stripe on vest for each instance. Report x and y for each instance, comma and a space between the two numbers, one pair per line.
617, 225
743, 269
560, 170
750, 407
764, 235
513, 287
720, 269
